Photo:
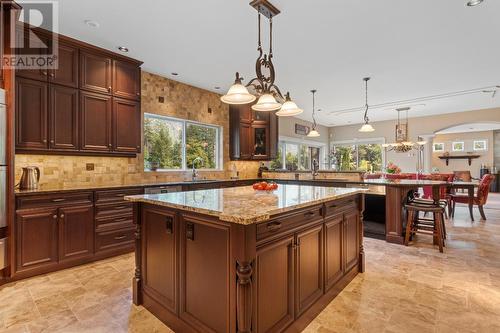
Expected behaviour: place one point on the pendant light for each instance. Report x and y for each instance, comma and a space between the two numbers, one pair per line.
366, 126
314, 132
263, 86
289, 108
238, 93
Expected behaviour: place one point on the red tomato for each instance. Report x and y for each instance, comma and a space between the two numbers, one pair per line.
263, 184
269, 187
260, 187
275, 186
256, 186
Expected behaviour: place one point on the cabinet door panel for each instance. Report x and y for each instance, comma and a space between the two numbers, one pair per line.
274, 272
126, 125
95, 127
63, 118
95, 73
76, 232
67, 69
245, 141
351, 239
205, 275
31, 43
31, 118
309, 268
334, 253
126, 80
36, 238
160, 270
260, 142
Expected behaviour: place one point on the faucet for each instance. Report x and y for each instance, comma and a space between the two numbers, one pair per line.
194, 174
315, 168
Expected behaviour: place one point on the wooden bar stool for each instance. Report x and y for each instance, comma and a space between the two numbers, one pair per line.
427, 226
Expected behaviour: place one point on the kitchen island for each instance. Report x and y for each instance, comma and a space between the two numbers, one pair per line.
238, 260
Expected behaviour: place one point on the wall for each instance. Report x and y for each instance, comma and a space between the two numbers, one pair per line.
181, 101
468, 139
418, 126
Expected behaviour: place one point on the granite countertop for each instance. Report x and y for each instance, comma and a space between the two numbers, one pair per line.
46, 188
244, 205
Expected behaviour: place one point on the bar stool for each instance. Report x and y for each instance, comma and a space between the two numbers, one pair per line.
416, 224
442, 203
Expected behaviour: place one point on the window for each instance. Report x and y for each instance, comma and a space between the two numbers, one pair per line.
295, 156
173, 144
357, 156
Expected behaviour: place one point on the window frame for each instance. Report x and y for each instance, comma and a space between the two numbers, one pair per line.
356, 143
284, 140
219, 143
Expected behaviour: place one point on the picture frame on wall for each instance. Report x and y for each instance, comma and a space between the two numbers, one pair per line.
458, 146
480, 145
438, 147
301, 129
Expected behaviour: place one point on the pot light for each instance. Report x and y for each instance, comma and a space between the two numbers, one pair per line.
266, 102
174, 73
92, 24
289, 108
238, 93
123, 48
473, 3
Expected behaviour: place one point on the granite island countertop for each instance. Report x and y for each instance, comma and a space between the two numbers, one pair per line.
244, 205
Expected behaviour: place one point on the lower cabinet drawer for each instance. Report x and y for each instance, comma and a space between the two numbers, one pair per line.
108, 240
115, 222
335, 207
123, 208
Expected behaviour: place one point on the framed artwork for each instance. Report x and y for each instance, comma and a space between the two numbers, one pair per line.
457, 146
438, 147
401, 132
301, 129
480, 145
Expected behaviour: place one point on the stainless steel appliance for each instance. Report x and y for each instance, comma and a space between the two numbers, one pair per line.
163, 189
30, 178
3, 177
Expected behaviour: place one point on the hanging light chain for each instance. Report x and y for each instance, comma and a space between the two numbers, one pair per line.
366, 79
271, 36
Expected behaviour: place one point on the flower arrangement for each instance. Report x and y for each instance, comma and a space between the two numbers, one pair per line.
393, 168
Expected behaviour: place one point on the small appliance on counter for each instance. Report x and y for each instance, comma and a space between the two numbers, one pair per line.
30, 178
3, 178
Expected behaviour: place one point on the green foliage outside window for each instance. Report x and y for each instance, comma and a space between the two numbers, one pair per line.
201, 141
277, 163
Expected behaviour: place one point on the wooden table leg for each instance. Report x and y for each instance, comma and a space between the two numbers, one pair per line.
471, 201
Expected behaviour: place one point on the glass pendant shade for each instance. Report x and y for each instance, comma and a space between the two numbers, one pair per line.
238, 94
366, 128
266, 102
288, 109
313, 133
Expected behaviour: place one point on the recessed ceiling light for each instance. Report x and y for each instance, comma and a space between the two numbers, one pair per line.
92, 24
473, 3
123, 48
174, 73
217, 88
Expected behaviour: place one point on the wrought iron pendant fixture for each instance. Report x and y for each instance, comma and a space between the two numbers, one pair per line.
314, 132
402, 144
270, 97
366, 126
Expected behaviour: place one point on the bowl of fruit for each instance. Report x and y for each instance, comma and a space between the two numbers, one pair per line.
265, 186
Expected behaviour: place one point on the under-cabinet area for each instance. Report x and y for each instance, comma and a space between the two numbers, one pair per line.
269, 274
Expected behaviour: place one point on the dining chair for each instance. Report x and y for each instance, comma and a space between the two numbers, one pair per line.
479, 199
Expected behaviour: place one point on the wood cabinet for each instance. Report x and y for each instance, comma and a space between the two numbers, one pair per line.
126, 126
96, 72
31, 114
334, 250
204, 275
63, 118
351, 239
274, 270
95, 120
35, 44
76, 232
87, 105
36, 238
253, 135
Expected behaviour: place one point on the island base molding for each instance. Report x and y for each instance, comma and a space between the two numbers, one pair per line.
197, 273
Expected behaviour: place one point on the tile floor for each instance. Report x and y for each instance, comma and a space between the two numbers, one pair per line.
404, 289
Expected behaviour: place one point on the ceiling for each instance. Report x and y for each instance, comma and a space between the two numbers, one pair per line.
471, 127
411, 49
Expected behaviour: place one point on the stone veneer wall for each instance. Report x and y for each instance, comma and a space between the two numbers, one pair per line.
180, 101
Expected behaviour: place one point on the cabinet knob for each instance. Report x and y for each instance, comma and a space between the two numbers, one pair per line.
109, 88
44, 73
52, 74
51, 141
44, 140
54, 217
109, 145
62, 216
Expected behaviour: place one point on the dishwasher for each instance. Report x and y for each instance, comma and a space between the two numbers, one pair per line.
163, 189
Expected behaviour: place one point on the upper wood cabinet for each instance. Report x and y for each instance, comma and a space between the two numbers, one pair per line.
96, 72
126, 80
88, 105
67, 70
252, 135
35, 44
31, 114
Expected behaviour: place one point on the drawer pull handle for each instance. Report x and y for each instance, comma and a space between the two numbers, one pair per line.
169, 225
120, 195
58, 200
309, 214
120, 237
121, 207
121, 219
190, 231
274, 226
333, 206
